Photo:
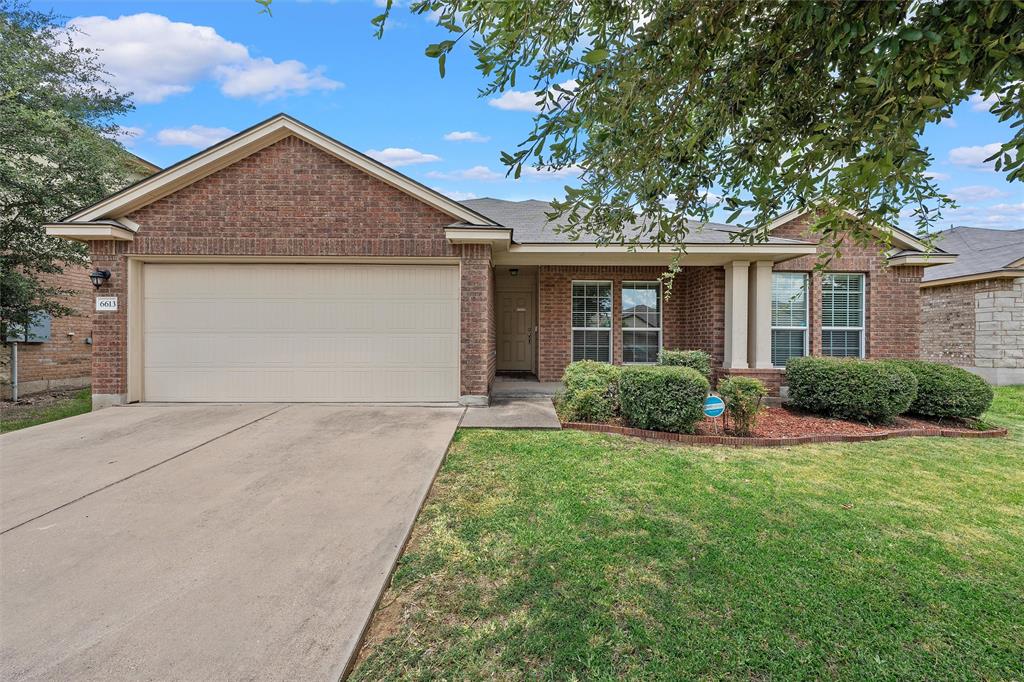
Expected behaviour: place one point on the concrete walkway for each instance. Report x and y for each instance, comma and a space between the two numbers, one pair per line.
206, 542
513, 413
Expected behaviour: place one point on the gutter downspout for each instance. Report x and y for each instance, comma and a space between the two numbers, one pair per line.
14, 372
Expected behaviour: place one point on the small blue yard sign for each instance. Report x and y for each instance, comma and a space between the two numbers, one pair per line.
714, 406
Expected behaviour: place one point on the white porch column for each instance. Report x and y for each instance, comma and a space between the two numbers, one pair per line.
736, 276
759, 330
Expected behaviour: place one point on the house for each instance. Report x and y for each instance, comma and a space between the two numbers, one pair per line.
973, 308
282, 265
59, 353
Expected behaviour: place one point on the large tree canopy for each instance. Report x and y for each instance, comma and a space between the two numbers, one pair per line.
56, 154
672, 108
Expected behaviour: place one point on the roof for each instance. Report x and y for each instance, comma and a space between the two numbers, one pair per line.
981, 251
142, 163
530, 225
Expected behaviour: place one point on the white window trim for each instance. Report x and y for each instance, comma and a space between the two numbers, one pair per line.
807, 314
863, 309
611, 319
661, 318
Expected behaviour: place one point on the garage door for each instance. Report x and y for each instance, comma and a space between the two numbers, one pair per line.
310, 333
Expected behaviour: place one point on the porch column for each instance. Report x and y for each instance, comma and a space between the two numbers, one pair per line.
736, 276
759, 330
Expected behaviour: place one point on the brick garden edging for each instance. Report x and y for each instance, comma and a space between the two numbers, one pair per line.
738, 441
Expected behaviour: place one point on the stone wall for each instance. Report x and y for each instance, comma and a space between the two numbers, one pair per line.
977, 325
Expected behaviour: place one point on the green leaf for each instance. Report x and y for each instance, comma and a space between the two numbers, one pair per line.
911, 34
595, 56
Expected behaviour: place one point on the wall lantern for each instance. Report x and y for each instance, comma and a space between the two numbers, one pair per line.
513, 272
98, 277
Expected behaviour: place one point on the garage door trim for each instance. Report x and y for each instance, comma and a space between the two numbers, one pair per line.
136, 296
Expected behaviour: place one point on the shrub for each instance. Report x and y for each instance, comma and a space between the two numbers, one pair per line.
944, 391
662, 398
743, 397
850, 388
588, 405
697, 359
585, 375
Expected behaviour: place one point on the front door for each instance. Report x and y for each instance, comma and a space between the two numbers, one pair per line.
515, 330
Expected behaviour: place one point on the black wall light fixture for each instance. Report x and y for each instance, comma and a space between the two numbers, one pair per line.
98, 277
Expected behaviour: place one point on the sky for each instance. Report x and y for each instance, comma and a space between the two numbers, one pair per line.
201, 71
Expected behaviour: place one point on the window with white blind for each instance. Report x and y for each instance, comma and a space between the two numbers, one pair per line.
789, 316
592, 321
842, 315
641, 322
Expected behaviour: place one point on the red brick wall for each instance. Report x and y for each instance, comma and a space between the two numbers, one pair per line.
892, 315
703, 296
65, 358
291, 199
554, 319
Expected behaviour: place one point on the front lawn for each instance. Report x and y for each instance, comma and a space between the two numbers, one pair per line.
570, 555
20, 417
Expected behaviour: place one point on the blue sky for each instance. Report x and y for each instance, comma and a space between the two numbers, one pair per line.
202, 70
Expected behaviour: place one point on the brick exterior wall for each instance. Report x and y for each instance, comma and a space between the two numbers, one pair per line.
694, 314
63, 361
696, 294
291, 199
975, 324
892, 313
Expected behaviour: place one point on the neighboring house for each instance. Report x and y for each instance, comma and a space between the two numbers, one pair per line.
281, 265
973, 308
59, 354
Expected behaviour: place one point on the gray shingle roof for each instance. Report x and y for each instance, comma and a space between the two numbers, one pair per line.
978, 250
529, 222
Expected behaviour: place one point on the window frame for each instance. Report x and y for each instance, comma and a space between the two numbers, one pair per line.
611, 319
862, 278
661, 318
806, 328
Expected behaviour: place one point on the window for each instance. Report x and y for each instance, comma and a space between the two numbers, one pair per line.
789, 316
842, 315
592, 321
641, 322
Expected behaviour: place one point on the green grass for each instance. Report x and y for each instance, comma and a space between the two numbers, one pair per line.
77, 404
569, 555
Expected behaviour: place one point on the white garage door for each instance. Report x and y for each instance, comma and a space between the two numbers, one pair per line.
284, 332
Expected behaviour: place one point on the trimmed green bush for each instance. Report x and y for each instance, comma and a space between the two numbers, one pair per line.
585, 375
743, 397
588, 405
697, 359
944, 391
850, 389
662, 398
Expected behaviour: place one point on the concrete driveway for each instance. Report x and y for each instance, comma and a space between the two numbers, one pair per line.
205, 542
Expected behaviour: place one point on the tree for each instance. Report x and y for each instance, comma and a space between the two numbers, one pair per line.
673, 108
57, 154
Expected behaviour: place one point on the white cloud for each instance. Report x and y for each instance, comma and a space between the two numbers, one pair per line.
935, 175
550, 174
155, 58
516, 100
979, 103
974, 157
196, 136
976, 193
128, 135
465, 136
401, 156
948, 122
268, 79
456, 195
996, 216
474, 173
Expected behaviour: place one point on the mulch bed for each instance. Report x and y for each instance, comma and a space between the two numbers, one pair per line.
783, 426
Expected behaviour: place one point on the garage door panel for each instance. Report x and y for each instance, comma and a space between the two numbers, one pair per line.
300, 333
